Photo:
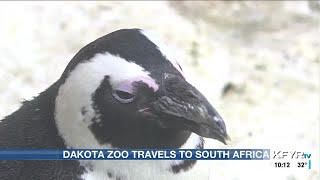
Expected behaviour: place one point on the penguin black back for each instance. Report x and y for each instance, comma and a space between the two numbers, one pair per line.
32, 126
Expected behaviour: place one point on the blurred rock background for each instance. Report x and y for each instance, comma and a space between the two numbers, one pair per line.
257, 62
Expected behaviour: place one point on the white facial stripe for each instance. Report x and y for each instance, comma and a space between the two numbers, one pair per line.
121, 70
163, 48
76, 93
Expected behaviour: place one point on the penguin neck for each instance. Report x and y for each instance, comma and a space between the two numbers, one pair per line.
169, 169
157, 139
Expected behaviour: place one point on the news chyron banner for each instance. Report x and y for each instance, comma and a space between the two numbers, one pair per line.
280, 159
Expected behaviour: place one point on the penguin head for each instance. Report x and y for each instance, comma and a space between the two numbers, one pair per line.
126, 90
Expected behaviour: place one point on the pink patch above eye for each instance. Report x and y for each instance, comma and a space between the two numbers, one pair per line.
127, 85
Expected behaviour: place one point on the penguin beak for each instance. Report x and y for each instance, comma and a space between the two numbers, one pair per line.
182, 106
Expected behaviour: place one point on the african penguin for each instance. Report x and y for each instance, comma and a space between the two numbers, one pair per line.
123, 90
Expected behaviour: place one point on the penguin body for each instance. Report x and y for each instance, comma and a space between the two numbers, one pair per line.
33, 127
123, 90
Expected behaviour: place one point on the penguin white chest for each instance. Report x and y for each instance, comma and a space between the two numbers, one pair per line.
145, 170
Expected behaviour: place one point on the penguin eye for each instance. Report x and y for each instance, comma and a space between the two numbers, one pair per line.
123, 96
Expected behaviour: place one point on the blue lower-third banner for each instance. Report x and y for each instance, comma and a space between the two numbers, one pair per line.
135, 154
